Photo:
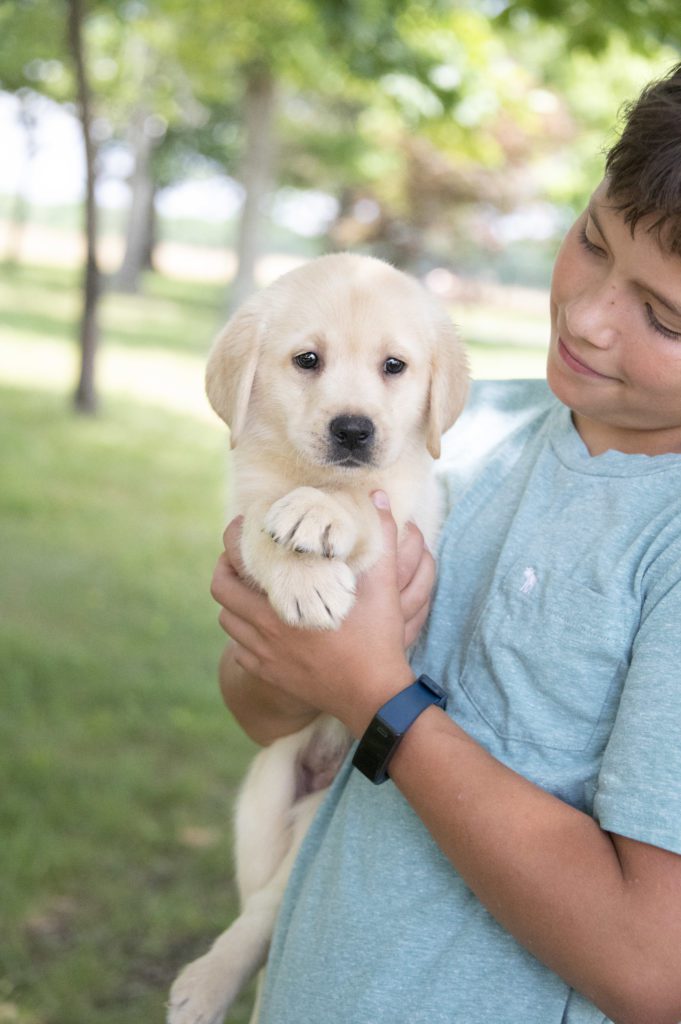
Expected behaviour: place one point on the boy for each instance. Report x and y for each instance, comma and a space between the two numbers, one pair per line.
524, 865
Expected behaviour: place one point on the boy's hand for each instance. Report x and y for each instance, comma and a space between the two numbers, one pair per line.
349, 672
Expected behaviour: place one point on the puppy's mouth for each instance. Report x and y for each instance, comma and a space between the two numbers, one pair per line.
359, 461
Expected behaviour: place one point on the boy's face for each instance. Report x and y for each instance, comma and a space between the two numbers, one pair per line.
615, 351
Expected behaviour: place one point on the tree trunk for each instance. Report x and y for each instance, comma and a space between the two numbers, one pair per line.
19, 213
86, 396
150, 231
137, 239
257, 176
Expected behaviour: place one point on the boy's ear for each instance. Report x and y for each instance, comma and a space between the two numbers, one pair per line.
232, 362
449, 382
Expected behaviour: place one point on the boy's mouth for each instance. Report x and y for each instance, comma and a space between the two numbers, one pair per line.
576, 364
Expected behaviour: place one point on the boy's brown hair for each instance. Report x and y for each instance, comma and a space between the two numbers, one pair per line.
643, 168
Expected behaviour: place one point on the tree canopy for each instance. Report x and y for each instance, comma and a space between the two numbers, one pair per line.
426, 121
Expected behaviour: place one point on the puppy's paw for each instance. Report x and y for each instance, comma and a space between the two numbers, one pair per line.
201, 993
312, 593
310, 522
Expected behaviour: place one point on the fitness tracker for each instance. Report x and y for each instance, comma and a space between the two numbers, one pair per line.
383, 736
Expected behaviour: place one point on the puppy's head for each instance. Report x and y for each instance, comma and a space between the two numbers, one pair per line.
344, 363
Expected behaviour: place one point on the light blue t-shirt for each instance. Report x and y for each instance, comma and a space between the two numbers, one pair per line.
556, 628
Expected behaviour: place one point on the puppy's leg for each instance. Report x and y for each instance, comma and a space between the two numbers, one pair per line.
206, 988
310, 521
262, 820
309, 591
331, 524
279, 776
255, 1012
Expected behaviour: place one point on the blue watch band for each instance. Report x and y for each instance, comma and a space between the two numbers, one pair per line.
383, 736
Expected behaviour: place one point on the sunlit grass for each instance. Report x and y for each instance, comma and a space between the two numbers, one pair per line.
152, 345
176, 315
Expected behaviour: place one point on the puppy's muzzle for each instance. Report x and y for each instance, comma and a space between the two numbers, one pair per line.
351, 439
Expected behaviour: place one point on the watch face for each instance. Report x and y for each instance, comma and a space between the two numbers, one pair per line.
378, 743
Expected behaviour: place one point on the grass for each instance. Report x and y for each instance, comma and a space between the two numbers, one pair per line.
175, 315
118, 760
153, 345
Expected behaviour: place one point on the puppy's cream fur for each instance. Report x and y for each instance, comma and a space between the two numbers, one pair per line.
310, 528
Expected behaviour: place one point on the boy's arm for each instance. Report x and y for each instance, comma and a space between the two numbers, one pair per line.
263, 711
602, 911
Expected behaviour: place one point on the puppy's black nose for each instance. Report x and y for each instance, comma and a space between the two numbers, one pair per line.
352, 432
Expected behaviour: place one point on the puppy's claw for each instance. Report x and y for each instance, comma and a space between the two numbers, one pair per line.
310, 522
288, 539
328, 610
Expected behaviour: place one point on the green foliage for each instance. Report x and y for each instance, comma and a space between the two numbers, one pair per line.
467, 114
33, 48
431, 109
589, 26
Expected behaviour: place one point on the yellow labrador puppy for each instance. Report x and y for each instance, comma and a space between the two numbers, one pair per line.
335, 381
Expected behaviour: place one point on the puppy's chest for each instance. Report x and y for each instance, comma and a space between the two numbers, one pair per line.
257, 481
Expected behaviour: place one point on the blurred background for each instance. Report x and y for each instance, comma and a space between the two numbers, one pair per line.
159, 161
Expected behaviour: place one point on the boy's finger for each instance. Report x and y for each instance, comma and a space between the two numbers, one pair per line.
232, 541
410, 550
381, 503
416, 594
389, 528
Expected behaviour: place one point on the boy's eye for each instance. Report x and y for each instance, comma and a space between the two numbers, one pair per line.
666, 332
589, 245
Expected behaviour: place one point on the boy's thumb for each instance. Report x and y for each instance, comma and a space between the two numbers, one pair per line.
381, 502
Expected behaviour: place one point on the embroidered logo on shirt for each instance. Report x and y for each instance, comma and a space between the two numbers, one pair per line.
529, 580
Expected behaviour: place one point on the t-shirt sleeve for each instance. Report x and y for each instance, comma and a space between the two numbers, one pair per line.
639, 786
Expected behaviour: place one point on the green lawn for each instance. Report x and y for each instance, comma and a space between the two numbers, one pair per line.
118, 761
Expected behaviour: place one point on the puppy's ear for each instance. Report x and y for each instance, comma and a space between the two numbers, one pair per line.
231, 367
449, 381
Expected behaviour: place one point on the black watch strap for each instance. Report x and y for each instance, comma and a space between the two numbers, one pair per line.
382, 738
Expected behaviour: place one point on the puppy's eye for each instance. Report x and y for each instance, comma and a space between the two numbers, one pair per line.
307, 360
393, 366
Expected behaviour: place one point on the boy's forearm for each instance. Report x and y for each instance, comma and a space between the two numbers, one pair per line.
263, 712
544, 870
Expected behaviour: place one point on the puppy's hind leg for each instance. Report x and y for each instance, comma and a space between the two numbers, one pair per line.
263, 811
255, 1012
206, 988
204, 991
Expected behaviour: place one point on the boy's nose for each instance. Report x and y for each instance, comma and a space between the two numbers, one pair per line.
593, 318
